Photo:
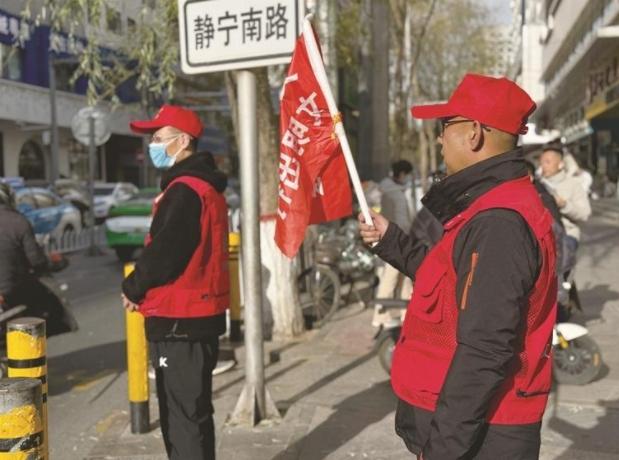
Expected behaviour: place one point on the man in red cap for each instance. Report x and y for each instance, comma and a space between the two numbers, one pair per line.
181, 282
472, 367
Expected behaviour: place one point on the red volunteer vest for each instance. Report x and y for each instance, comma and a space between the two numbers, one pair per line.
427, 343
203, 289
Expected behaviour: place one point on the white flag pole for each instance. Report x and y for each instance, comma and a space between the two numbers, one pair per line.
321, 76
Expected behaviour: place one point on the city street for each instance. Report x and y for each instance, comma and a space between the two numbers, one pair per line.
335, 398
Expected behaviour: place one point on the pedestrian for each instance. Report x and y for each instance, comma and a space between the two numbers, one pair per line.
181, 282
472, 367
569, 194
395, 207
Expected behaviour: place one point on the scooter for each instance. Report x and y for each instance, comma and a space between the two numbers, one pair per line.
54, 308
576, 356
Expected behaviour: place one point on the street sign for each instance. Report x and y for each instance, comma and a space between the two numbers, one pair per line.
217, 35
80, 126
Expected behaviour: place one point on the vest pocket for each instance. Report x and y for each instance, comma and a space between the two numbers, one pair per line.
427, 301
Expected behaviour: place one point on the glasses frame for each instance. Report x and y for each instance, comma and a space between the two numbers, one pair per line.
446, 123
160, 140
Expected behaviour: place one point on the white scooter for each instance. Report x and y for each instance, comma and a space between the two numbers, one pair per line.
576, 357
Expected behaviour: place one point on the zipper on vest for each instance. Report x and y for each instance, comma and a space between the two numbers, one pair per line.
469, 280
526, 394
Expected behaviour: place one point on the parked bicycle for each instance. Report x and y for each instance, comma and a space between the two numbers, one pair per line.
336, 258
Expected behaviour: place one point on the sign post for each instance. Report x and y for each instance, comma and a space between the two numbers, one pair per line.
218, 35
90, 126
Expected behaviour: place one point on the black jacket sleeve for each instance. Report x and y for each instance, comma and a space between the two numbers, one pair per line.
34, 253
497, 263
175, 232
406, 252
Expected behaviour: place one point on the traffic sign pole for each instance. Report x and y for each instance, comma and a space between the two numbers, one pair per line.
255, 404
92, 160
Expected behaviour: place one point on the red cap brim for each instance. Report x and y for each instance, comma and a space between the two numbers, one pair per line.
145, 126
432, 111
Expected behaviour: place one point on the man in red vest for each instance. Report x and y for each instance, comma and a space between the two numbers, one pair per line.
472, 366
181, 282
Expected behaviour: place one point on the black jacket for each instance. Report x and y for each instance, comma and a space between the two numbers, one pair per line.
175, 235
488, 330
19, 252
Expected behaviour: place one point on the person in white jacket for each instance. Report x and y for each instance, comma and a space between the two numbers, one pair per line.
567, 191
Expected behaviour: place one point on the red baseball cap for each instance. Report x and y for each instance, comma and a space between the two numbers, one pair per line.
496, 102
170, 115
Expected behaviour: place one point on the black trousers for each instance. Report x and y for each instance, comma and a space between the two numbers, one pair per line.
184, 390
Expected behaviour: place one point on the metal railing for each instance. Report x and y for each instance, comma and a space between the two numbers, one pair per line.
73, 241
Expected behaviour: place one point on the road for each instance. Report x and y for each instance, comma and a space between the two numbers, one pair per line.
86, 369
88, 381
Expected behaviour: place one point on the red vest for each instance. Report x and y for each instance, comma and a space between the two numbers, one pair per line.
427, 343
203, 289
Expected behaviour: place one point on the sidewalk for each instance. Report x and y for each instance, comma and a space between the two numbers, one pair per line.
337, 403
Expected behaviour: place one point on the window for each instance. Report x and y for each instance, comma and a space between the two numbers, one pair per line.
26, 199
131, 25
45, 200
10, 62
31, 163
113, 20
149, 3
64, 74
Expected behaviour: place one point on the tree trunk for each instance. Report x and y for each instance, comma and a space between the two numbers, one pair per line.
429, 127
280, 300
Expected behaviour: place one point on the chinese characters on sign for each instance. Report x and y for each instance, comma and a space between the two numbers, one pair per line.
222, 34
13, 29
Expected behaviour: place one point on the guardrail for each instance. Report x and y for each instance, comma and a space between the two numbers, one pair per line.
74, 241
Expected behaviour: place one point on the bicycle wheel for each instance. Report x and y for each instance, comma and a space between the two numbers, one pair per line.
320, 287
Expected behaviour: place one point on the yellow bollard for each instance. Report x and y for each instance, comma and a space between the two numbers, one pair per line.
234, 244
21, 420
26, 350
137, 368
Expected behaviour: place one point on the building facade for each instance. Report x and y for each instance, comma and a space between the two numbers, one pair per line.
580, 78
25, 112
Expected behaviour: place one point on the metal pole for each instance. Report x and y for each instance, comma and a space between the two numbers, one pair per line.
137, 368
254, 403
53, 119
26, 350
92, 163
21, 419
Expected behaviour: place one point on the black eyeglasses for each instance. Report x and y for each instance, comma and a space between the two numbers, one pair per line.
445, 122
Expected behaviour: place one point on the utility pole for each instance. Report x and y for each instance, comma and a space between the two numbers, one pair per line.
53, 118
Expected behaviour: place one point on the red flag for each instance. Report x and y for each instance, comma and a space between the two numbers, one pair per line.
313, 179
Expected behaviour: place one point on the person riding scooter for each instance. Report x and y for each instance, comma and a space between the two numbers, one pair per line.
22, 264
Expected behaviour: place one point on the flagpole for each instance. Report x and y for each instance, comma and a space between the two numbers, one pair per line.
321, 76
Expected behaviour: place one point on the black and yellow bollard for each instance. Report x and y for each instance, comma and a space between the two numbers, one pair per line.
26, 350
21, 420
137, 369
234, 244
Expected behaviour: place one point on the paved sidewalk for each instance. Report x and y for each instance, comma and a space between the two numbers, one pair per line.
337, 403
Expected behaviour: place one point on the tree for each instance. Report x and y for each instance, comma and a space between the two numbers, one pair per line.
150, 55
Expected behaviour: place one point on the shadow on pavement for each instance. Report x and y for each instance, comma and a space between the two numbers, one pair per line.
601, 438
83, 368
594, 299
351, 417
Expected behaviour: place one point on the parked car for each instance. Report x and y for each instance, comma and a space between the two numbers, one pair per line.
128, 224
112, 194
76, 193
47, 212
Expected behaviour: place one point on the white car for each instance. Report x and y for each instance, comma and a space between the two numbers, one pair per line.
108, 195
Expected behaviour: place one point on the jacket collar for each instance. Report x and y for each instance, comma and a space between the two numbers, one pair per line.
455, 193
